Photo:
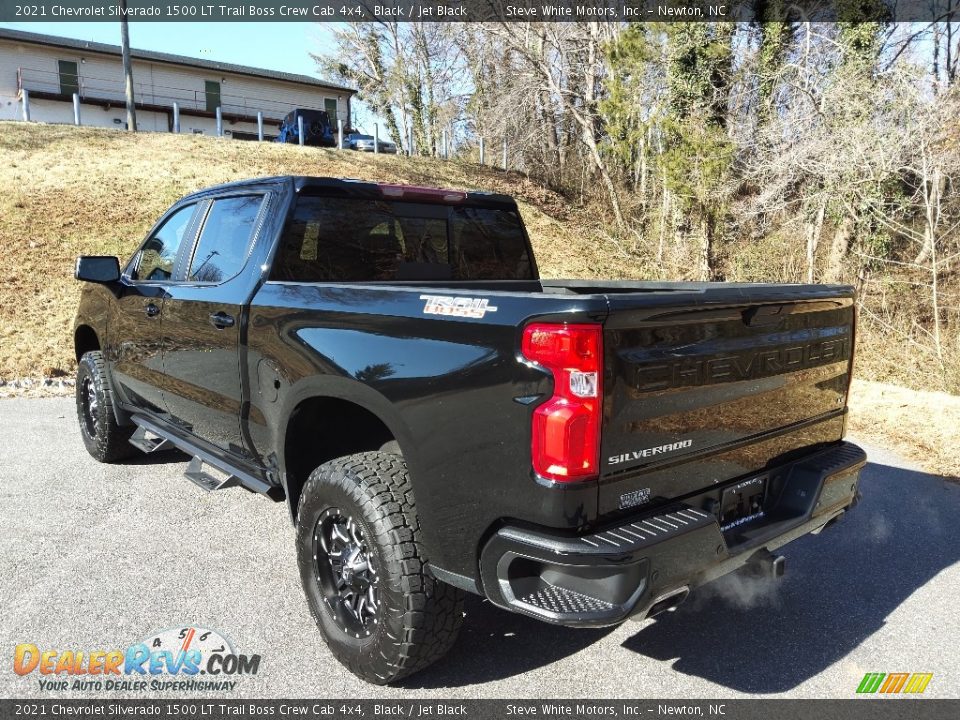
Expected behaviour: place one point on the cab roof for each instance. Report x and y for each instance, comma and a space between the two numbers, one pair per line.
350, 187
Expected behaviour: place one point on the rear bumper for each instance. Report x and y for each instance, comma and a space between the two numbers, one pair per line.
646, 563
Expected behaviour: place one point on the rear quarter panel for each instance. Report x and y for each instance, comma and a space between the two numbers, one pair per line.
445, 386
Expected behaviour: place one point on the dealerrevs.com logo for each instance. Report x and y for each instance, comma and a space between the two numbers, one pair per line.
187, 659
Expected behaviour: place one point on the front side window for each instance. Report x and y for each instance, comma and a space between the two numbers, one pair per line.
225, 239
157, 257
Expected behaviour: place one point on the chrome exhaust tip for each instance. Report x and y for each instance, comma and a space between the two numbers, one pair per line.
765, 564
664, 603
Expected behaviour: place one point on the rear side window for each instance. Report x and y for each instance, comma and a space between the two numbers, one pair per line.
333, 239
225, 239
157, 257
487, 244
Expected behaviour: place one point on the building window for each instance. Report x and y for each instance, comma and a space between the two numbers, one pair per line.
213, 95
69, 78
330, 105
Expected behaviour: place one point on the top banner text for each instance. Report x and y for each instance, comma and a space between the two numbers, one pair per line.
510, 11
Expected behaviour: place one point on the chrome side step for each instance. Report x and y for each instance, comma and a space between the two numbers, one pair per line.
162, 437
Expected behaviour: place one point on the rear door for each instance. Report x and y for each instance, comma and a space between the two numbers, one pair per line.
202, 323
134, 349
701, 388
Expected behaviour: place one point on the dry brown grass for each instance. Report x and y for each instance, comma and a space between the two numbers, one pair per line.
921, 425
69, 191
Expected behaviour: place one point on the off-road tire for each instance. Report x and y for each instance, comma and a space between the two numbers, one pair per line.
105, 439
418, 617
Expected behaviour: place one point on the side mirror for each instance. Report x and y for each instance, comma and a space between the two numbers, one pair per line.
97, 269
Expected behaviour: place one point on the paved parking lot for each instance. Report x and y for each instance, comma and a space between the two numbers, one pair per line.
99, 557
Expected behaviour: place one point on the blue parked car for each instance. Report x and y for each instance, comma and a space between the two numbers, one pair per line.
317, 129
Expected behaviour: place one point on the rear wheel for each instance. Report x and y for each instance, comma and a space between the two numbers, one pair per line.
104, 438
381, 612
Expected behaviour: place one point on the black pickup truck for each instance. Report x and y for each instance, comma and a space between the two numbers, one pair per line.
386, 361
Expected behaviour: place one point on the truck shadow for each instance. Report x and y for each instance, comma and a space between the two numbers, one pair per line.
748, 635
159, 457
495, 644
839, 588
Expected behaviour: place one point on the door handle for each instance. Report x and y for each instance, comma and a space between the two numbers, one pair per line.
151, 310
221, 320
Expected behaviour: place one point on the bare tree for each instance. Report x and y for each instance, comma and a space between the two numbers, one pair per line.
566, 62
407, 73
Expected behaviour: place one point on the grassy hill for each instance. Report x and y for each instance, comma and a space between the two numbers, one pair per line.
69, 191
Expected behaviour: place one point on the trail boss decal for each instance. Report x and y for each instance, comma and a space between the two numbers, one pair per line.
456, 306
648, 452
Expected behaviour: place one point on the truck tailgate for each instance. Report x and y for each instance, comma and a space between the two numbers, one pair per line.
706, 386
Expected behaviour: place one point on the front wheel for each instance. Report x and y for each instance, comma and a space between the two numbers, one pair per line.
381, 612
104, 438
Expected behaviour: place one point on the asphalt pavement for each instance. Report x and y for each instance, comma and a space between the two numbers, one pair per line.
101, 556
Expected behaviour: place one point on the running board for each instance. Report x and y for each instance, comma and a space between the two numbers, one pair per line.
195, 472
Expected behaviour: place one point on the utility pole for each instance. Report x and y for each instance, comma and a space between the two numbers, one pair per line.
127, 67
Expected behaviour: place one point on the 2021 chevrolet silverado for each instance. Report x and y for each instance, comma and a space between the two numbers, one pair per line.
439, 420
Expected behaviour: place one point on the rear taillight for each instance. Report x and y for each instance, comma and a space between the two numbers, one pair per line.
566, 428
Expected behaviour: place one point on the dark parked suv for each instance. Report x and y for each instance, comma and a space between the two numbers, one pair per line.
317, 129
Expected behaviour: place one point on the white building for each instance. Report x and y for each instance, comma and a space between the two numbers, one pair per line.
52, 69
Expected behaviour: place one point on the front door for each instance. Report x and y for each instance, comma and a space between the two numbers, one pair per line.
134, 352
202, 323
330, 105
